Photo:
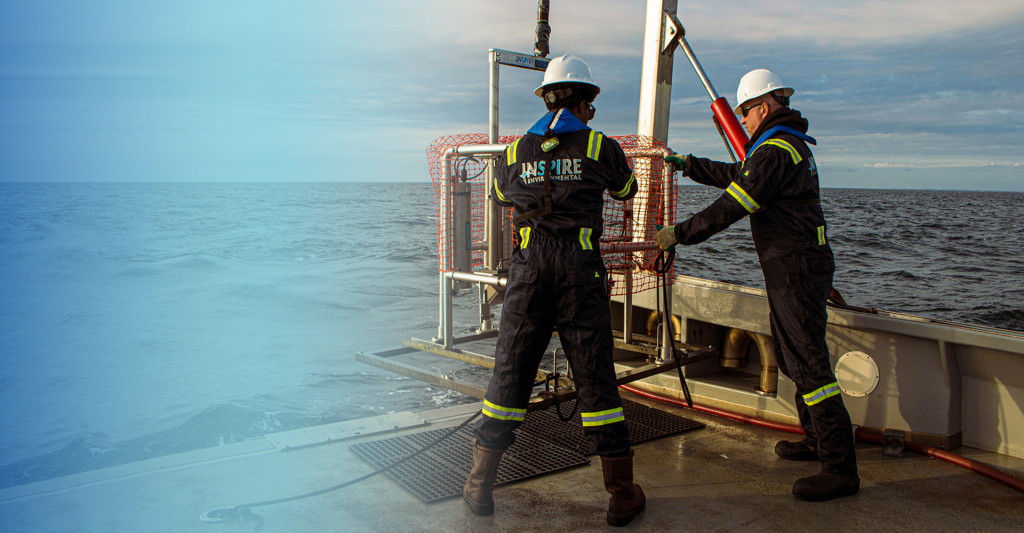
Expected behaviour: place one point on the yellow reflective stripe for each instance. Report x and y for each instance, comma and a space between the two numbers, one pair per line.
498, 191
585, 238
821, 235
787, 147
510, 157
503, 413
594, 145
524, 237
821, 394
742, 197
602, 418
625, 190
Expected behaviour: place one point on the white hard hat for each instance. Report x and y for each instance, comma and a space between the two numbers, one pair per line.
567, 69
756, 83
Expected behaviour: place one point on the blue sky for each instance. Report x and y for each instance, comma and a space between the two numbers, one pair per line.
912, 94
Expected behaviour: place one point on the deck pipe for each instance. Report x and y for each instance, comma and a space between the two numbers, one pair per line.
930, 451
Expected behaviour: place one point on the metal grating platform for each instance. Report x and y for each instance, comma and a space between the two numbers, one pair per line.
440, 472
543, 444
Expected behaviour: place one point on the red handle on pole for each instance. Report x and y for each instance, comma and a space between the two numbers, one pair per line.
733, 130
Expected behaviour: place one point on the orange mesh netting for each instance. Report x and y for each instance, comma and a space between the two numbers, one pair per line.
627, 243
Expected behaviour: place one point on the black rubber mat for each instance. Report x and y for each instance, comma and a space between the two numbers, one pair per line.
644, 423
440, 472
543, 444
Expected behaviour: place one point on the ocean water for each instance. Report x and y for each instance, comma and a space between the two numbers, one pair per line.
139, 320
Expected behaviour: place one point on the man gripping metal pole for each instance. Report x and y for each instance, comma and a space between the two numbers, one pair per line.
777, 186
555, 178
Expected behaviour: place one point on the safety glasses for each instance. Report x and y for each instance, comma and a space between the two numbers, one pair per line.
746, 110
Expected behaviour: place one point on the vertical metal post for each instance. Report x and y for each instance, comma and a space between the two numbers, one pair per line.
449, 319
462, 232
441, 307
666, 329
445, 243
627, 308
494, 248
656, 76
668, 177
492, 211
668, 217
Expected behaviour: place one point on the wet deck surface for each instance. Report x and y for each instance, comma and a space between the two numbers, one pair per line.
721, 478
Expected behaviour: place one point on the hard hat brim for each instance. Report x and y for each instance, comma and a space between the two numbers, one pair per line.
539, 91
786, 91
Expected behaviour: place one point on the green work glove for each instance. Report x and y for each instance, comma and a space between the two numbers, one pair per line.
680, 162
666, 237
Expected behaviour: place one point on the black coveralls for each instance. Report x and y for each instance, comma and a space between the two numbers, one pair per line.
797, 263
557, 277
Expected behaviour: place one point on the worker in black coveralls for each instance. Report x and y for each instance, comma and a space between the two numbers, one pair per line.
555, 177
777, 186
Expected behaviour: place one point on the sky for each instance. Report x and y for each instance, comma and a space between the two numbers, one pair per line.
909, 95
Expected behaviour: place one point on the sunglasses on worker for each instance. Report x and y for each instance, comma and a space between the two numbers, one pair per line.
746, 110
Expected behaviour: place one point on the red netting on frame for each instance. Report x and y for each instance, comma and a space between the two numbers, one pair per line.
627, 243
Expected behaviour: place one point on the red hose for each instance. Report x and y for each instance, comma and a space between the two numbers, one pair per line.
930, 451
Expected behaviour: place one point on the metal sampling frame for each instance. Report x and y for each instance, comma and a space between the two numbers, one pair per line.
454, 214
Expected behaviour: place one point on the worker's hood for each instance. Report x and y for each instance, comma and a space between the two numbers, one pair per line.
565, 122
790, 119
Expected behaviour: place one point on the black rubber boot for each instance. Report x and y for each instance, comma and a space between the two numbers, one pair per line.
825, 486
796, 451
478, 489
627, 498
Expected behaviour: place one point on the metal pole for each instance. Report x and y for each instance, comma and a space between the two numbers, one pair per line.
656, 74
449, 319
698, 69
492, 217
627, 308
440, 309
472, 277
668, 217
668, 176
444, 328
494, 248
666, 331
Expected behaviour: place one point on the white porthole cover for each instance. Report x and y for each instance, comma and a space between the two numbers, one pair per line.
857, 374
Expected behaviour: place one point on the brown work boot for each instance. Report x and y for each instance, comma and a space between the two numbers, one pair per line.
480, 485
628, 498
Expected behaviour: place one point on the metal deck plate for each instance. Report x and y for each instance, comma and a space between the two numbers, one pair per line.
544, 444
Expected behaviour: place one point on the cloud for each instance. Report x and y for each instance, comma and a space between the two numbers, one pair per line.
841, 21
271, 86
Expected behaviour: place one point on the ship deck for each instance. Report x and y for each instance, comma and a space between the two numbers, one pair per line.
724, 477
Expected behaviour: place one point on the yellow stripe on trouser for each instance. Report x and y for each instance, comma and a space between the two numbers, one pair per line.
821, 235
742, 197
594, 145
625, 190
585, 238
821, 394
503, 413
524, 237
602, 418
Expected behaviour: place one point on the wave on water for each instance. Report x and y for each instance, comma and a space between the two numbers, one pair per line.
233, 309
368, 394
